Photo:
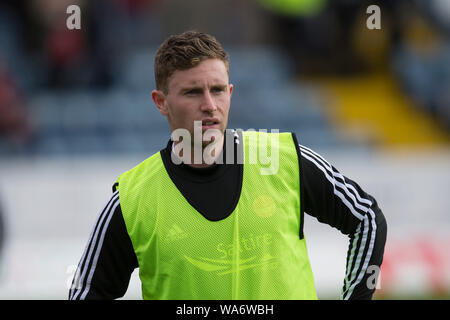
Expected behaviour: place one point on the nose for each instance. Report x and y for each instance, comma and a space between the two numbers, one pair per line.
208, 103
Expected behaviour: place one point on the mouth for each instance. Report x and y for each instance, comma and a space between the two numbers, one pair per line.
210, 123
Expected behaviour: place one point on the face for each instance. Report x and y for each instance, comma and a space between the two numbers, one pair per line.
201, 93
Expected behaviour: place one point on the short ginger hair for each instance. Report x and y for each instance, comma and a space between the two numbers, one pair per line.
185, 51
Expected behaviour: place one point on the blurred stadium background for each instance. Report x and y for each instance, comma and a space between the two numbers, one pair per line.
75, 112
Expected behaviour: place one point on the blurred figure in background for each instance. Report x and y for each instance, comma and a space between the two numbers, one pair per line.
81, 57
62, 57
14, 125
421, 60
74, 57
323, 37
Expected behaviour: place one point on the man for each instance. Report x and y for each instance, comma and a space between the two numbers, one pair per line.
202, 220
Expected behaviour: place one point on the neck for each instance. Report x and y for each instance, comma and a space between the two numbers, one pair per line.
198, 156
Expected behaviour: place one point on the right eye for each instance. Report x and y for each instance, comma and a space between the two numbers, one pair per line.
193, 92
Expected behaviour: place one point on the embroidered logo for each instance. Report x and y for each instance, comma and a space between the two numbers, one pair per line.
264, 206
176, 233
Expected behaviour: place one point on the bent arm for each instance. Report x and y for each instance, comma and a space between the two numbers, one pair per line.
341, 203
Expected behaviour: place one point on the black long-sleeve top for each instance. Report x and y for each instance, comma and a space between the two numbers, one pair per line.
109, 259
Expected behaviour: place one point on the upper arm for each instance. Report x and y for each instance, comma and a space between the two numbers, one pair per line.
108, 260
330, 196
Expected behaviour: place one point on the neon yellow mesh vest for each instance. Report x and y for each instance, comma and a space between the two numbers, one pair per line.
256, 253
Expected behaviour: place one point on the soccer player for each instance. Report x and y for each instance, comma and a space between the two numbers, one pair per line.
201, 219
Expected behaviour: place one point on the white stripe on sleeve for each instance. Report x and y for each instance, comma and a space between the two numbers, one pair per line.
361, 251
89, 259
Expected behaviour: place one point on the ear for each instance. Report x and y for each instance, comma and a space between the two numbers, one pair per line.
231, 89
160, 100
